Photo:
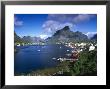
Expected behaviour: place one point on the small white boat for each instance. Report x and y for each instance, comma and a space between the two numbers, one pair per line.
53, 58
38, 50
67, 50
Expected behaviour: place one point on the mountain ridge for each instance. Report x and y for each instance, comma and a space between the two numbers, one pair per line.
61, 35
66, 35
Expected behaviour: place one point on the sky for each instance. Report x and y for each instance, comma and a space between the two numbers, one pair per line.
45, 25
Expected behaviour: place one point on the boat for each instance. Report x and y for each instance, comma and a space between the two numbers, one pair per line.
53, 58
38, 50
67, 50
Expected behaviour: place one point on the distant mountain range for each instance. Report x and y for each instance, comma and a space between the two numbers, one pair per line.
62, 35
32, 39
27, 39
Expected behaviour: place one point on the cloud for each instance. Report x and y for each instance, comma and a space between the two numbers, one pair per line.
57, 17
55, 22
44, 36
17, 22
82, 18
73, 18
90, 34
61, 17
51, 26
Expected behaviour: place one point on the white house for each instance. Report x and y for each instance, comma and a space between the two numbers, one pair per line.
91, 48
18, 45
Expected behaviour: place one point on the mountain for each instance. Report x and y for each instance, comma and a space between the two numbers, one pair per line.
94, 37
17, 38
90, 34
66, 35
27, 39
30, 39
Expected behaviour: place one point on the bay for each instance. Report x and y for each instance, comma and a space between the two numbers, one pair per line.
31, 58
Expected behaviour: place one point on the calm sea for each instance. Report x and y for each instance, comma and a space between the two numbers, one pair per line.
30, 58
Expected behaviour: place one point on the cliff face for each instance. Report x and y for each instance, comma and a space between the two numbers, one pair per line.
66, 35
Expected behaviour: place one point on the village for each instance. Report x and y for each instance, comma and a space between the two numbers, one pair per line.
77, 48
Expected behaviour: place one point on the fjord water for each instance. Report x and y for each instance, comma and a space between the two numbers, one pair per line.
30, 58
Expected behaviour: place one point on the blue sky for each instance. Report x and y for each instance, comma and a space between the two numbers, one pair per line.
45, 25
